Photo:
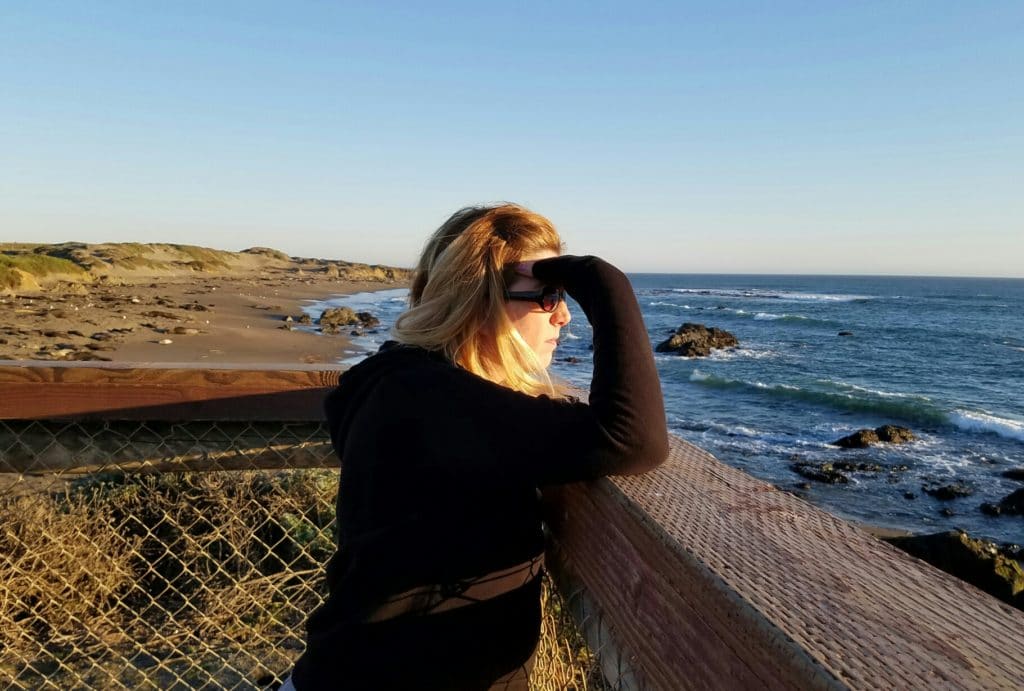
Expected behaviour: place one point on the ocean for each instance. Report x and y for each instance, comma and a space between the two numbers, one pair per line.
942, 356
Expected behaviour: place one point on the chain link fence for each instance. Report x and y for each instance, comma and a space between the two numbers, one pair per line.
187, 555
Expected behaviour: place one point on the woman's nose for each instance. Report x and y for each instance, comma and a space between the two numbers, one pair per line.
561, 316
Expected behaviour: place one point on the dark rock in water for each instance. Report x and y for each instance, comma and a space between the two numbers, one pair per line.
345, 316
1011, 505
954, 490
851, 467
894, 434
367, 319
1014, 474
909, 495
864, 438
338, 316
947, 512
330, 329
572, 360
305, 319
820, 472
979, 562
697, 340
861, 439
845, 333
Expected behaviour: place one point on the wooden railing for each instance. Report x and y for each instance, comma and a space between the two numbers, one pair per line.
692, 576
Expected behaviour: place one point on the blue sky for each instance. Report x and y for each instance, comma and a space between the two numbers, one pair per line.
784, 137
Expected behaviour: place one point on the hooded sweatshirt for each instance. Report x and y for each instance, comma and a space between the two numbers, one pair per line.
439, 484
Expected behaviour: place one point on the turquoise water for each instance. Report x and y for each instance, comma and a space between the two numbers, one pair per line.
943, 356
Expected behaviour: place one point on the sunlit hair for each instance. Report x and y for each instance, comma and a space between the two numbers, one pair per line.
457, 302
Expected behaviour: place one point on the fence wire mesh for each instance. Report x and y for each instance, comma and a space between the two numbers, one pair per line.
187, 555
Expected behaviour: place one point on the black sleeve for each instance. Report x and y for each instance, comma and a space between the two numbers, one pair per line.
484, 432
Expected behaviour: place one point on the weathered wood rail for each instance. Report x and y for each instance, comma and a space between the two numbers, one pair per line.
692, 576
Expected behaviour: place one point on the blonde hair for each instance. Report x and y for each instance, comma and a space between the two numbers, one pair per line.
457, 301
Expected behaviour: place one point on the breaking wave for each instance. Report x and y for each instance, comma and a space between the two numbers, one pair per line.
761, 294
915, 409
973, 421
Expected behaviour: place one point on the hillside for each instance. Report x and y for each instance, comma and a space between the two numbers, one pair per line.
28, 267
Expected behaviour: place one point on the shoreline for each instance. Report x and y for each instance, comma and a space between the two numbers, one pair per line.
237, 319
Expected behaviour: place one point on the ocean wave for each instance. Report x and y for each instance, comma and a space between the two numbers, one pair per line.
845, 386
749, 353
912, 410
973, 421
769, 316
762, 294
662, 303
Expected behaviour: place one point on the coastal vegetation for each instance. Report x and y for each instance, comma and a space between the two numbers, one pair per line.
19, 269
28, 267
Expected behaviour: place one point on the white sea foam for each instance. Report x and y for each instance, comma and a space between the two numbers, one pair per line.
762, 294
973, 421
874, 392
768, 316
747, 353
662, 303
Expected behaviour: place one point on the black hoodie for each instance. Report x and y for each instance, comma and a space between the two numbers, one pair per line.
440, 470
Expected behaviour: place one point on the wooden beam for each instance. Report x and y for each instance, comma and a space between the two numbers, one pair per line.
131, 392
704, 577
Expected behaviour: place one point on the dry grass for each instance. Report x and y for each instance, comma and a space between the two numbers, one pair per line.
213, 569
37, 265
183, 580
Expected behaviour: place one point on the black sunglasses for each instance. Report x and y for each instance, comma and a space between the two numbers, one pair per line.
547, 297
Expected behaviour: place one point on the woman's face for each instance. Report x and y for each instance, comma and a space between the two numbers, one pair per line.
538, 328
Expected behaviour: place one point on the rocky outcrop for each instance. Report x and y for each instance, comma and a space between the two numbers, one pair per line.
835, 472
979, 562
864, 438
820, 472
1010, 505
1014, 474
953, 490
697, 340
861, 439
331, 320
894, 434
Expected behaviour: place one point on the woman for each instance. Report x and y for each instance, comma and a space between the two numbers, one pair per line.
445, 436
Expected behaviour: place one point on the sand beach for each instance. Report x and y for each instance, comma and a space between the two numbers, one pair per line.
158, 304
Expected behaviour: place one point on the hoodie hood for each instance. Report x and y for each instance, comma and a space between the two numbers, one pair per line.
359, 381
